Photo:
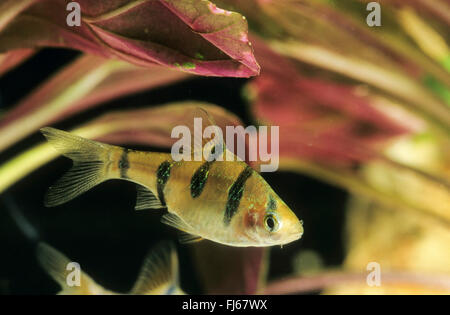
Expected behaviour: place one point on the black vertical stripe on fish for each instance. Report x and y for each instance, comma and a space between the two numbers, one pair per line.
124, 164
235, 194
199, 179
162, 176
272, 204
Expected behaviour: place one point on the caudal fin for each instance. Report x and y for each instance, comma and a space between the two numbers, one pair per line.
90, 161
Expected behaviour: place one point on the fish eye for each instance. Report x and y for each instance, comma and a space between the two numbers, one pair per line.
271, 222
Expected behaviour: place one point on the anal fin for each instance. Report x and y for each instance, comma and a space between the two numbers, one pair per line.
175, 221
186, 238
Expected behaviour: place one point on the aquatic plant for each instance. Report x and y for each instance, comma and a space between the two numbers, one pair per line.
364, 109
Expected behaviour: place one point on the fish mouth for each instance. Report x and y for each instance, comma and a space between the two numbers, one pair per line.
293, 237
297, 234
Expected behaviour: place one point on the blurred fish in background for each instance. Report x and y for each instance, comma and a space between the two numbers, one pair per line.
159, 273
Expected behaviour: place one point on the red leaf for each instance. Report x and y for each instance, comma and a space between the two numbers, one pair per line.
9, 9
13, 58
319, 120
189, 35
125, 82
229, 270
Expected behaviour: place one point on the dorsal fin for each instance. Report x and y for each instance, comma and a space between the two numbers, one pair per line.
207, 140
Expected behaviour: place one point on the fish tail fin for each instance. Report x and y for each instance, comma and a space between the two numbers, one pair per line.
57, 266
160, 272
90, 165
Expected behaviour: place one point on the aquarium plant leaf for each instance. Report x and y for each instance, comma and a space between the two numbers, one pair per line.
87, 81
9, 9
230, 270
403, 244
338, 133
13, 58
125, 81
353, 282
438, 9
358, 184
333, 37
428, 39
318, 119
193, 36
392, 82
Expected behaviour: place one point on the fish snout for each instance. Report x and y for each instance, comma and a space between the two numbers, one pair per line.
296, 231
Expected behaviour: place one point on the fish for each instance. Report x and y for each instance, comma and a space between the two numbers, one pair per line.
223, 201
158, 276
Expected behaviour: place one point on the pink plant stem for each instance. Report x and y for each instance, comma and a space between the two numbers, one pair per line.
305, 284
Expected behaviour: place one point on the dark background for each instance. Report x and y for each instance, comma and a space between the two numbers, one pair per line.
101, 230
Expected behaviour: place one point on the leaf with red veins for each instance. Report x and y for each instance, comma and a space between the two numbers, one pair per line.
224, 29
189, 35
